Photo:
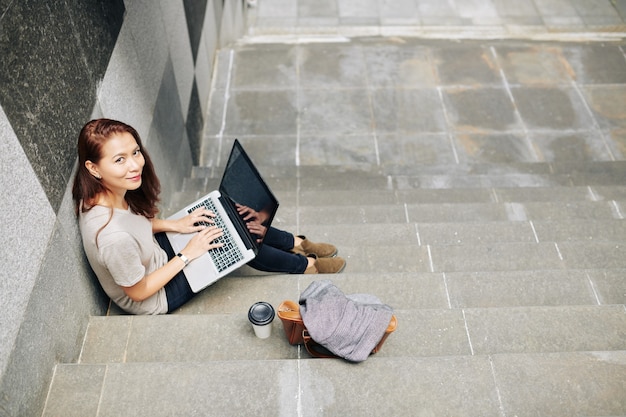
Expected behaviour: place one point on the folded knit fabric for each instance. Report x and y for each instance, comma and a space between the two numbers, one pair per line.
348, 326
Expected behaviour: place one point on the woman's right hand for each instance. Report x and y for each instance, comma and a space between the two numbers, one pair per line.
202, 242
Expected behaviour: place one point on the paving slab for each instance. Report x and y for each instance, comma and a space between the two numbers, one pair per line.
498, 257
443, 195
598, 174
105, 339
466, 65
590, 210
352, 214
551, 108
390, 258
373, 235
506, 16
145, 390
537, 64
562, 384
76, 390
460, 212
496, 148
609, 285
427, 386
545, 194
440, 234
582, 146
546, 329
410, 149
573, 230
477, 182
346, 197
402, 111
520, 288
481, 109
337, 150
597, 255
400, 66
608, 117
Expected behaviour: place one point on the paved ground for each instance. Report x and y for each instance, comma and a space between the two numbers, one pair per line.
396, 102
440, 18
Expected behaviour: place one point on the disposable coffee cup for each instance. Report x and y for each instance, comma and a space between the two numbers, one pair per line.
261, 315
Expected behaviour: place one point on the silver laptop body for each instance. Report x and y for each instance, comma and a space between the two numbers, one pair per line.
215, 264
241, 184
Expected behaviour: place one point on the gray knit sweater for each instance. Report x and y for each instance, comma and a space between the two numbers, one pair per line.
348, 326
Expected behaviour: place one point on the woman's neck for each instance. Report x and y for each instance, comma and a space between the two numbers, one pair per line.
109, 199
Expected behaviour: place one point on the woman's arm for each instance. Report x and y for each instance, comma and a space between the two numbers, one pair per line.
188, 224
153, 282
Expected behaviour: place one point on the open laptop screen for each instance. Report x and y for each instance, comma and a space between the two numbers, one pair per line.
243, 185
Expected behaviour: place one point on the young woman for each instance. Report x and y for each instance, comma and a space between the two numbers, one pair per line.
116, 192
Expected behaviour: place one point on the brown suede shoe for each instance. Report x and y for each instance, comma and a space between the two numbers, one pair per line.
321, 250
327, 266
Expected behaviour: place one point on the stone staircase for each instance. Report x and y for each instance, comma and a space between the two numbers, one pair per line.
507, 281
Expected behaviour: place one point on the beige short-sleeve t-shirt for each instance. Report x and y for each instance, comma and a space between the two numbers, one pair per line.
124, 253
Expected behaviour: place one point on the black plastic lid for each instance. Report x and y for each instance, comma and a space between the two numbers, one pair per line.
261, 313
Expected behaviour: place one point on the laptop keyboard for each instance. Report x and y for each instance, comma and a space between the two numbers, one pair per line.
227, 255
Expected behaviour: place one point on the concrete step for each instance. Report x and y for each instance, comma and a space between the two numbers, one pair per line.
422, 290
593, 173
403, 186
483, 204
560, 197
448, 212
287, 167
377, 257
420, 333
559, 384
507, 282
355, 182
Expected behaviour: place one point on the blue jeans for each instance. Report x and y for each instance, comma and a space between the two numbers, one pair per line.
274, 256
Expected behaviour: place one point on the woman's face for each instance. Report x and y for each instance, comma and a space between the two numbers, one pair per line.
121, 164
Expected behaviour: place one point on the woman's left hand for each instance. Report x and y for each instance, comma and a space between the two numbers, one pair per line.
195, 221
257, 229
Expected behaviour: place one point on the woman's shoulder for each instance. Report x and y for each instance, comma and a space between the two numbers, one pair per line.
115, 219
94, 215
100, 210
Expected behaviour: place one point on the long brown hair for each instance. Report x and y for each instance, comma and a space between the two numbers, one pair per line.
86, 187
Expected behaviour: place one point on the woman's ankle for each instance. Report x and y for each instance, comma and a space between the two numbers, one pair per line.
297, 241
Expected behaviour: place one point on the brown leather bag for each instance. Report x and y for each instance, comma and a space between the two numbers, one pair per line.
289, 314
295, 330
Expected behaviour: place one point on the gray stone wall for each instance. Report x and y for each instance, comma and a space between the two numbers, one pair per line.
146, 62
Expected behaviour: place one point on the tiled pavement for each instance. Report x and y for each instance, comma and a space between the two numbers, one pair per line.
478, 186
439, 18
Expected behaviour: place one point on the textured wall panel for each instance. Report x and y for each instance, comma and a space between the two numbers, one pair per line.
48, 72
179, 48
194, 124
166, 137
50, 331
195, 10
22, 234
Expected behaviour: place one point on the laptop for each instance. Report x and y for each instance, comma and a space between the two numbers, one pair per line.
241, 184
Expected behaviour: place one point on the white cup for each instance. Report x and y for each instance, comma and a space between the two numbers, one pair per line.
261, 315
